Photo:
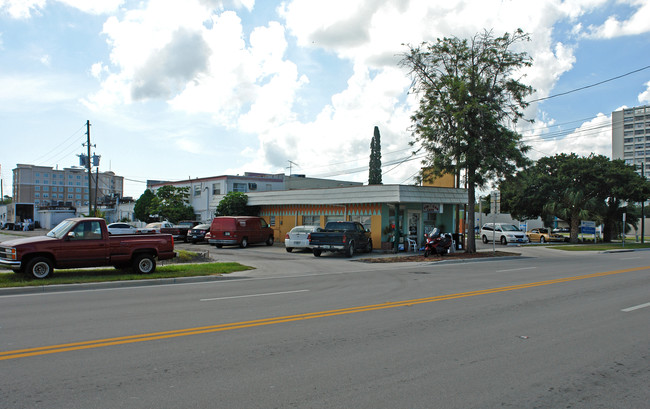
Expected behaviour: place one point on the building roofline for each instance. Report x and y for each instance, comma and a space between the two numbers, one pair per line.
360, 195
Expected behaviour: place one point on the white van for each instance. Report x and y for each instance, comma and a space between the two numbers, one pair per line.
503, 233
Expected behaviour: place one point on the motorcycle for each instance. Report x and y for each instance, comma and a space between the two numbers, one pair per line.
437, 243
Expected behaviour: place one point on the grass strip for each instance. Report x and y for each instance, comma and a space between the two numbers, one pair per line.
106, 274
601, 246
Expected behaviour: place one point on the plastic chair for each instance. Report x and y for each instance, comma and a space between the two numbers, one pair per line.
412, 244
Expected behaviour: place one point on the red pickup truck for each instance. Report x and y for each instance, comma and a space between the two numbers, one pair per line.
85, 242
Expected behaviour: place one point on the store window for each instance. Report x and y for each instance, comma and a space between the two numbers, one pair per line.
311, 220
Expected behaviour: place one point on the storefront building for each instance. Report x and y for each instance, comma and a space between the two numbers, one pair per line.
391, 212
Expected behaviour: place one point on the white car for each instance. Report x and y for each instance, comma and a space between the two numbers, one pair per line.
298, 237
153, 227
120, 228
503, 233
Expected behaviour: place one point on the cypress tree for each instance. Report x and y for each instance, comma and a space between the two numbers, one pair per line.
374, 168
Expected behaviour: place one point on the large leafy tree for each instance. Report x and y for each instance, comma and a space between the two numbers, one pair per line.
574, 188
374, 168
171, 203
143, 206
469, 100
233, 204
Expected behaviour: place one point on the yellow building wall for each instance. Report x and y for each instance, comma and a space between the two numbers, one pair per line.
289, 216
446, 180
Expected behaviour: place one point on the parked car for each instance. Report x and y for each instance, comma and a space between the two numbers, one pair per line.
503, 233
179, 231
298, 237
239, 230
121, 228
197, 233
542, 235
153, 227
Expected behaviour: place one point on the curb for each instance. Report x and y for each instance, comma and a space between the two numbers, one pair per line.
58, 288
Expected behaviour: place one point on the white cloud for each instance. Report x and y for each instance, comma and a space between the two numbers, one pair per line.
594, 136
637, 23
644, 97
21, 9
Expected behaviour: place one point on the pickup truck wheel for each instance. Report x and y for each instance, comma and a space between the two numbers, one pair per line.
504, 241
269, 241
144, 264
289, 249
39, 267
317, 252
244, 243
349, 252
541, 239
219, 246
368, 248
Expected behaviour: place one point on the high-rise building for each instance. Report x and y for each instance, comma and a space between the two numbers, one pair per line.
631, 136
45, 186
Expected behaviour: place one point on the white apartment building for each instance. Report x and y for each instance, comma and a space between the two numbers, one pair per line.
631, 136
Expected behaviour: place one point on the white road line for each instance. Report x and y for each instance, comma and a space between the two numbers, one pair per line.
638, 307
630, 258
516, 269
252, 295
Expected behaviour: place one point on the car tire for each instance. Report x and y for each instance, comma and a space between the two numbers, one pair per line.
542, 239
144, 264
289, 249
485, 240
244, 243
504, 241
349, 251
269, 241
39, 267
317, 252
368, 248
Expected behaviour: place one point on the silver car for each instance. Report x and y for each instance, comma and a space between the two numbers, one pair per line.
298, 237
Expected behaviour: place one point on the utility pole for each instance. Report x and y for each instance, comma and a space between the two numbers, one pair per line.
89, 166
642, 207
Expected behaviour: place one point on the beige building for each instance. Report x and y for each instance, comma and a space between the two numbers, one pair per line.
48, 187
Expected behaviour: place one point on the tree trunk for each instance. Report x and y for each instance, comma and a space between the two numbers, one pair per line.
575, 228
471, 237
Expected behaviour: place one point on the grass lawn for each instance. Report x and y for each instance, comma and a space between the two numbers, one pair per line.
601, 246
104, 274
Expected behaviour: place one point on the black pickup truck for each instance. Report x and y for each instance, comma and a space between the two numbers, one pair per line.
346, 237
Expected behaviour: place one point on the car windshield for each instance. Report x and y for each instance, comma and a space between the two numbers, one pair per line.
509, 227
61, 229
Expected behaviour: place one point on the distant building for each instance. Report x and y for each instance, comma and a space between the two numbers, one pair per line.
206, 193
54, 190
45, 186
631, 136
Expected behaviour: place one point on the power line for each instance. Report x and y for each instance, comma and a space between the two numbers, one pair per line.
590, 86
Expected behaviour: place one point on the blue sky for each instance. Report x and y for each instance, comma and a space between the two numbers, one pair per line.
198, 88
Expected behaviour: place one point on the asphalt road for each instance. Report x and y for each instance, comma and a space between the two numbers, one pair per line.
547, 330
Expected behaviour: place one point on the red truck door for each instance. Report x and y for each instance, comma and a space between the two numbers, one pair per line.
87, 245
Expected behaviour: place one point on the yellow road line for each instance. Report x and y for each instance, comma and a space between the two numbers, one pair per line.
99, 343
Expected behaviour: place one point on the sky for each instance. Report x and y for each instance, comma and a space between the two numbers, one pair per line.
197, 88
